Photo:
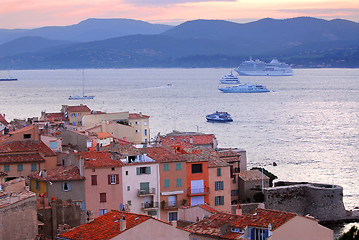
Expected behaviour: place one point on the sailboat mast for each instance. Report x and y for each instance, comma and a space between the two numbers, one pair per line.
83, 83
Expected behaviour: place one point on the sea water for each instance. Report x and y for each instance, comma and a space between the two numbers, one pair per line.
308, 124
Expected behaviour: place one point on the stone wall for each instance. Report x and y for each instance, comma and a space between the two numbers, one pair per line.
18, 221
322, 201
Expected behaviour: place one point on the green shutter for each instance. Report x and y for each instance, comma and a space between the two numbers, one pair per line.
222, 185
179, 182
167, 183
138, 171
6, 168
166, 167
219, 172
148, 170
178, 166
222, 200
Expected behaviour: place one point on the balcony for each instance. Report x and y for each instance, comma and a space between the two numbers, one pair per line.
197, 191
146, 192
149, 206
170, 205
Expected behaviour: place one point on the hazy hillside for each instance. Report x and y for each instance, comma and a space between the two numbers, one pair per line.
88, 30
301, 42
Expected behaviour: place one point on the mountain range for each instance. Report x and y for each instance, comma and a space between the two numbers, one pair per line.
126, 43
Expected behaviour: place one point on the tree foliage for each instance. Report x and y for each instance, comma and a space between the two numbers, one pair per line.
352, 234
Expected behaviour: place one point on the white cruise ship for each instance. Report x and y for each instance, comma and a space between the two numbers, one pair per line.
260, 68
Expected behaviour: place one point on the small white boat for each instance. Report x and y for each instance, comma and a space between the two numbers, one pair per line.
219, 117
229, 79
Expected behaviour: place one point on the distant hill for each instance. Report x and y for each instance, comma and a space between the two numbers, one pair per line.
88, 30
301, 42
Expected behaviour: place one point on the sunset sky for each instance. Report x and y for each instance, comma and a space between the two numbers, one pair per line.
38, 13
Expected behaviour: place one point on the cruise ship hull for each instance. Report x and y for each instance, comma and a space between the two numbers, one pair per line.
264, 73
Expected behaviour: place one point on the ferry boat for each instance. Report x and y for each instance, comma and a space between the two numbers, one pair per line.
245, 88
219, 117
229, 79
260, 68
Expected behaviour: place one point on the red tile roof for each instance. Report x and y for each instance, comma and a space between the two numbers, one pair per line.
26, 146
208, 208
185, 140
124, 150
21, 158
100, 159
252, 175
59, 174
81, 108
104, 135
106, 226
263, 217
163, 154
260, 218
54, 116
136, 115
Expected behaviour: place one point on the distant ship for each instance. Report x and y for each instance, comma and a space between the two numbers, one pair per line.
219, 117
260, 68
229, 79
7, 79
245, 88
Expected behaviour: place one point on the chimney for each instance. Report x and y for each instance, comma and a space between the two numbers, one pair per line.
122, 223
44, 173
239, 210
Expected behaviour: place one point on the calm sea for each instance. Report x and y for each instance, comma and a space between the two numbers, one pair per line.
308, 125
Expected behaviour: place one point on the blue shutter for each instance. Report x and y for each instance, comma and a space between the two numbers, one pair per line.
83, 206
138, 171
265, 234
69, 185
252, 233
148, 170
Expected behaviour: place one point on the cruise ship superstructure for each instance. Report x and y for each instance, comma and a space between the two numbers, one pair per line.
260, 68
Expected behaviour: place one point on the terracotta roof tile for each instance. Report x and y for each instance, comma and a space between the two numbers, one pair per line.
54, 116
208, 208
187, 140
136, 115
124, 150
26, 146
163, 154
105, 227
59, 174
252, 175
104, 135
100, 159
21, 158
81, 108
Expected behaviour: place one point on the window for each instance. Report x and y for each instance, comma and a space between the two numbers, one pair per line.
129, 202
113, 179
103, 211
167, 183
27, 136
178, 166
137, 131
102, 197
37, 185
259, 234
219, 185
234, 179
19, 167
66, 186
145, 132
6, 168
137, 123
234, 193
53, 145
152, 213
145, 123
179, 182
166, 167
219, 200
197, 168
128, 188
126, 173
219, 173
143, 170
172, 216
93, 179
33, 167
71, 114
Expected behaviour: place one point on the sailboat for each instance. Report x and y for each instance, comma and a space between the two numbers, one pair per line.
77, 97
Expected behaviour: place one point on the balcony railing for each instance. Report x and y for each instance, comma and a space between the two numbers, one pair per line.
146, 192
170, 205
198, 191
149, 205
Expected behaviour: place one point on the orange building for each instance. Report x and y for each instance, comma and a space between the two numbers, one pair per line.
173, 183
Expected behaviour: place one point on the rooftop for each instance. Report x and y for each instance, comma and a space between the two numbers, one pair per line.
163, 154
137, 115
59, 174
187, 139
21, 158
252, 175
80, 108
106, 226
100, 159
26, 146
